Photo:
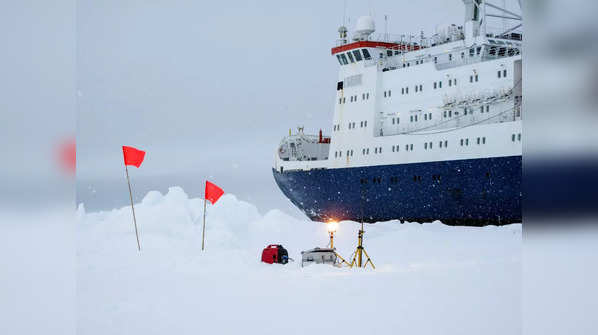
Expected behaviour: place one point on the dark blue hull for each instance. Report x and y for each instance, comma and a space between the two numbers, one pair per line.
473, 192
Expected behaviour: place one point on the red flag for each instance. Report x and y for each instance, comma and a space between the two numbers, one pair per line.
213, 192
68, 155
133, 156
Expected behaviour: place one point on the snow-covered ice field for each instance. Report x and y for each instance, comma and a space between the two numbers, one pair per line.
429, 279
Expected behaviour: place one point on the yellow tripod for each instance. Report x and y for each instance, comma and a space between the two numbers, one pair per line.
360, 251
331, 234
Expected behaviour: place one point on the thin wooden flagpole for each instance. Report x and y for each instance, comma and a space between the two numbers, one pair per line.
203, 234
133, 209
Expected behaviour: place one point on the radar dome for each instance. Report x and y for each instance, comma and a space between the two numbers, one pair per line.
365, 27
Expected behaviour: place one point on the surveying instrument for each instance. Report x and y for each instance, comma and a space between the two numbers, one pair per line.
360, 250
331, 227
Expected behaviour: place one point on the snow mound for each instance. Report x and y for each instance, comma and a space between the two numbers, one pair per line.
430, 278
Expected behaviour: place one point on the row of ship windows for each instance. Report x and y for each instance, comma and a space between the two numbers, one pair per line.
420, 87
414, 118
409, 147
480, 140
466, 111
356, 55
395, 179
353, 56
438, 84
351, 125
354, 98
518, 137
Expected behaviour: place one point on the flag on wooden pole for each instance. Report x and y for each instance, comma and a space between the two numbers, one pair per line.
133, 157
212, 193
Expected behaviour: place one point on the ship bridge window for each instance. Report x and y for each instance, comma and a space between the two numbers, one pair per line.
357, 55
389, 53
478, 50
440, 84
339, 59
504, 73
344, 59
350, 57
366, 54
435, 85
471, 52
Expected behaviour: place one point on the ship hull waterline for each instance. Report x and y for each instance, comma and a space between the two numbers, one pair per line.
473, 192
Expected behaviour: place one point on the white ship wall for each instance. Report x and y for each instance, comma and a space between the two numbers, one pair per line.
493, 133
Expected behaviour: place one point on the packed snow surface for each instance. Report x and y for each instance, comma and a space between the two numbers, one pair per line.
429, 279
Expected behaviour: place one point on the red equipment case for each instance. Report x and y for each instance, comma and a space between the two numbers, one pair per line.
275, 253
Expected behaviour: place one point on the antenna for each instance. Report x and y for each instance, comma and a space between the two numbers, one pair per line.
386, 28
344, 12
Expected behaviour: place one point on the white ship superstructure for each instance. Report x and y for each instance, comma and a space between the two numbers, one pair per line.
455, 96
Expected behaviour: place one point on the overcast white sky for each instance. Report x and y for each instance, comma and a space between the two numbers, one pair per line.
208, 89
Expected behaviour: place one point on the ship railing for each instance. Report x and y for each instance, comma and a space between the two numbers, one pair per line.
286, 166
